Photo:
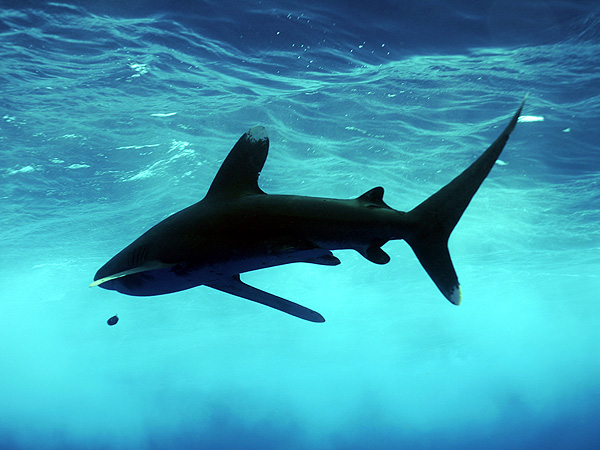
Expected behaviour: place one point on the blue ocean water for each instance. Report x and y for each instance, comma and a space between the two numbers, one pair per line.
116, 114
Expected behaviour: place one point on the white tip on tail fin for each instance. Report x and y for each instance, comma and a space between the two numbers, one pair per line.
456, 296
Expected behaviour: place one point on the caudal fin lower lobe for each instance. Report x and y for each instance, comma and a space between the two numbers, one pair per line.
436, 217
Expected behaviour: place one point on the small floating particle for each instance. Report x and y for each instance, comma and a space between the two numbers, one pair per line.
163, 114
531, 119
113, 320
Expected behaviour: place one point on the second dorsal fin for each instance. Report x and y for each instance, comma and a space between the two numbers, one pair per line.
373, 198
239, 172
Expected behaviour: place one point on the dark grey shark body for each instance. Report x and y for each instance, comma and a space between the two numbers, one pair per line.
238, 228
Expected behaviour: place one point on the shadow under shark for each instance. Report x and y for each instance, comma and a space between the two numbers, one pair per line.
238, 228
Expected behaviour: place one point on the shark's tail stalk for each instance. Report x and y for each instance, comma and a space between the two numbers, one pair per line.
436, 217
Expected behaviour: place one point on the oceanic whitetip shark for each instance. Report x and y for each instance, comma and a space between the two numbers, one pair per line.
238, 228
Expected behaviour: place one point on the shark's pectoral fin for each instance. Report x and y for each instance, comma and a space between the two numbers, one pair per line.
235, 286
374, 254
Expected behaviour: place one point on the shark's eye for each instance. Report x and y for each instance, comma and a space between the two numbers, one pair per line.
178, 268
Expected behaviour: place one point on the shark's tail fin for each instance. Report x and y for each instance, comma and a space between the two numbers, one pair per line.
436, 217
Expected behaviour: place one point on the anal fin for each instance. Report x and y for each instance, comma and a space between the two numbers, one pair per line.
374, 254
234, 285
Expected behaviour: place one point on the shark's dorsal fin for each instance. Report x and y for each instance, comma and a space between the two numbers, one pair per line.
239, 172
373, 198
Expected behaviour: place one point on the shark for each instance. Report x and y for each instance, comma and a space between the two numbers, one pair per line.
238, 228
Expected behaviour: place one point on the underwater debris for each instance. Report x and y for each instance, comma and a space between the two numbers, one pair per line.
113, 320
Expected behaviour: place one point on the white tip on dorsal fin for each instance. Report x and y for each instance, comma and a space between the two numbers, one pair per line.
257, 133
239, 172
